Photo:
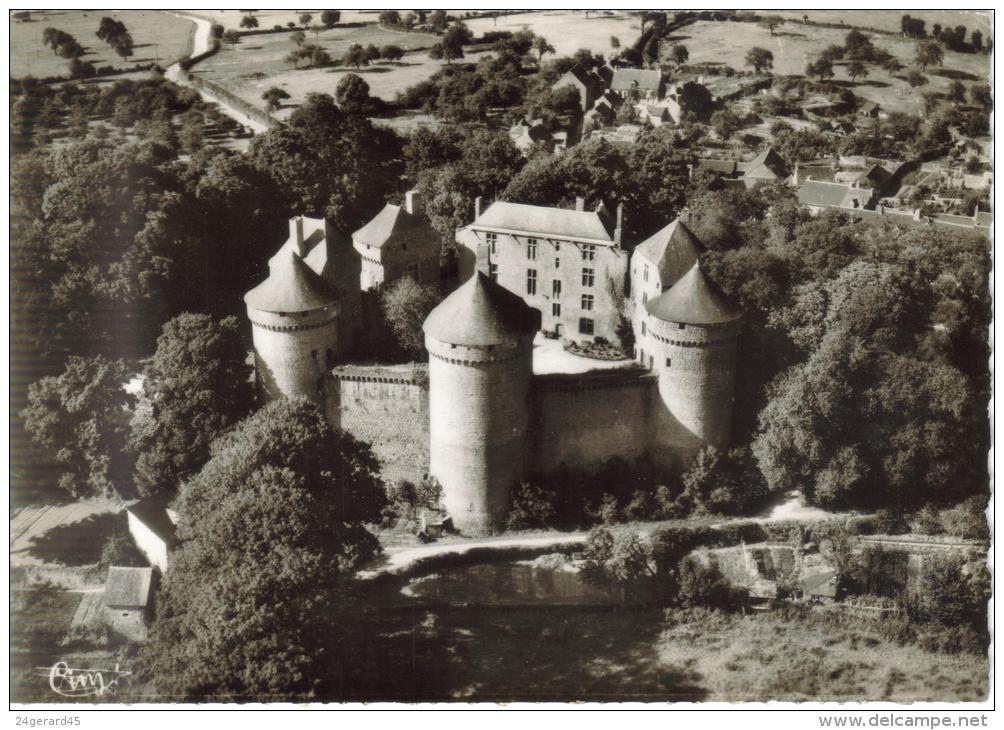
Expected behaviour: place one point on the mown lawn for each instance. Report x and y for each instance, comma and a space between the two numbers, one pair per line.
158, 36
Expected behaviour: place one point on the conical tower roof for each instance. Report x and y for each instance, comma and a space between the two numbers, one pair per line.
291, 287
694, 299
481, 313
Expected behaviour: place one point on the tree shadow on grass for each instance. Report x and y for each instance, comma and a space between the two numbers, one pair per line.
504, 654
363, 70
953, 73
77, 543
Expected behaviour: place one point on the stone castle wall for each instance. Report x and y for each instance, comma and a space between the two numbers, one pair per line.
388, 408
584, 419
294, 351
696, 371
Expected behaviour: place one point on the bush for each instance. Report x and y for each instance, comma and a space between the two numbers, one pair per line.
532, 506
704, 585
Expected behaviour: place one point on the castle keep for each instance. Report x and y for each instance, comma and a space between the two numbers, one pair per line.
479, 419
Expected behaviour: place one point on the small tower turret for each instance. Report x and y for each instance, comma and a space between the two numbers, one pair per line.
294, 324
480, 342
692, 332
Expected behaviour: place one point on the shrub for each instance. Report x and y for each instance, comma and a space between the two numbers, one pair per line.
532, 506
704, 585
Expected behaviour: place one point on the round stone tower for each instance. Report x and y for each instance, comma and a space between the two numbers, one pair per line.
480, 342
690, 334
294, 324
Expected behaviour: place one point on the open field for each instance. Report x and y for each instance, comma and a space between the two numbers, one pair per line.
568, 30
793, 46
158, 37
256, 63
270, 18
890, 19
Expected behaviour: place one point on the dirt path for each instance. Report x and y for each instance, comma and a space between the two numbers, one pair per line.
202, 42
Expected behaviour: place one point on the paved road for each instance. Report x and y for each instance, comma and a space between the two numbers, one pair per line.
201, 43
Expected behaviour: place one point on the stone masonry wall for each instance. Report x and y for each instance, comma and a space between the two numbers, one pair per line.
589, 418
388, 408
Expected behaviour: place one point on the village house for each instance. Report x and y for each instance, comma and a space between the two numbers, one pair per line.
529, 135
127, 597
589, 84
570, 265
623, 134
818, 195
153, 529
399, 241
767, 166
638, 84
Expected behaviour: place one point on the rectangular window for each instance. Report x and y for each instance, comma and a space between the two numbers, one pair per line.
643, 328
555, 309
669, 362
557, 262
531, 281
587, 302
531, 249
556, 288
644, 297
413, 271
588, 252
557, 246
682, 326
588, 277
585, 326
492, 240
493, 272
644, 273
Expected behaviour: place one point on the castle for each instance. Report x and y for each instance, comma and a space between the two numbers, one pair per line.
479, 418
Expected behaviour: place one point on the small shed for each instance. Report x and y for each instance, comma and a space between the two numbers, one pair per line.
153, 530
435, 523
821, 587
127, 600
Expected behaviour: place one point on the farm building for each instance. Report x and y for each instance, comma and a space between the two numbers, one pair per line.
153, 531
127, 601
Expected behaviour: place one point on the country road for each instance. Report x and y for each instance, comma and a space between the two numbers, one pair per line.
201, 43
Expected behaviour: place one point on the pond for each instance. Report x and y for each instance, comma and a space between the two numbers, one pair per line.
551, 580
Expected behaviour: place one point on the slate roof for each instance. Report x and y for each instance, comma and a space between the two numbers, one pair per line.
152, 512
390, 226
875, 175
673, 251
624, 79
694, 300
814, 584
768, 164
481, 313
291, 287
128, 587
832, 194
544, 222
723, 167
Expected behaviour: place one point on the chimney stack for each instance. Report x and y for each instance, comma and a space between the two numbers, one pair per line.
412, 203
619, 228
477, 207
580, 203
296, 233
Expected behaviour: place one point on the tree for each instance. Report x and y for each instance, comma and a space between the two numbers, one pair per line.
273, 97
231, 36
615, 42
760, 59
821, 68
929, 52
353, 94
541, 46
272, 529
705, 585
406, 304
392, 52
298, 37
356, 56
82, 416
956, 92
726, 123
616, 560
892, 65
438, 21
195, 388
372, 53
305, 19
772, 23
915, 78
855, 69
82, 69
977, 40
390, 18
723, 483
249, 21
216, 30
981, 95
330, 18
680, 54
